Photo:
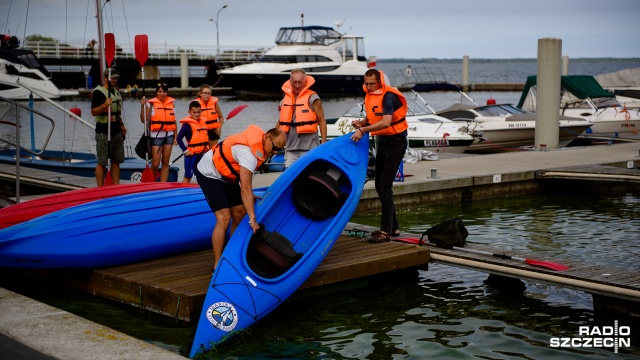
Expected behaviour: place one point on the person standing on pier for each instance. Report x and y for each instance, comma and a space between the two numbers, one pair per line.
194, 130
386, 108
160, 115
225, 175
212, 113
301, 114
103, 97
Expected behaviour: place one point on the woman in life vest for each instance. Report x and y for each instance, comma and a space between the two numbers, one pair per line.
225, 175
159, 114
194, 131
212, 114
386, 108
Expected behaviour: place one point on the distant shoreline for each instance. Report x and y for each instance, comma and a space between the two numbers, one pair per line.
512, 60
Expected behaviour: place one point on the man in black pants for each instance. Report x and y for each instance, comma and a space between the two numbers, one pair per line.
386, 108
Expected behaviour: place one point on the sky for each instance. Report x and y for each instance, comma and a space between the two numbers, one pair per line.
415, 29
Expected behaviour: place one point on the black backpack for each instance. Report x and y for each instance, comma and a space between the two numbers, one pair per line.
447, 234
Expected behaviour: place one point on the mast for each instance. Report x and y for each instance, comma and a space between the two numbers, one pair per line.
101, 40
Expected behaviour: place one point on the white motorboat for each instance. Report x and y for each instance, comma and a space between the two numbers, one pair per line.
505, 127
21, 66
335, 60
625, 85
427, 131
582, 96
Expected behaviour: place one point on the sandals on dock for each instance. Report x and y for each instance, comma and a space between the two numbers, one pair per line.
379, 236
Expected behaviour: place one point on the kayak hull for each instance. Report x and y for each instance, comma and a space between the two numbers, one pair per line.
301, 212
28, 210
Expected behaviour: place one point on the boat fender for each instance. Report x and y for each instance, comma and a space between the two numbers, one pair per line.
317, 195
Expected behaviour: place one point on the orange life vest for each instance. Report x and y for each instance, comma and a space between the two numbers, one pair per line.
163, 117
199, 142
306, 119
223, 159
373, 103
209, 113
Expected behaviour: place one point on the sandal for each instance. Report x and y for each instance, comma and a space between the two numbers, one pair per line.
379, 236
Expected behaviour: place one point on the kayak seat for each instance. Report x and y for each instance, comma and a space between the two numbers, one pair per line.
317, 194
270, 254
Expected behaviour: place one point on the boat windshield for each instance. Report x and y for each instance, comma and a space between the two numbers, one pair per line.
293, 59
307, 35
498, 110
413, 109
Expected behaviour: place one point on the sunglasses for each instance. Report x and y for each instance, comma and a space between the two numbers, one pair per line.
273, 146
162, 84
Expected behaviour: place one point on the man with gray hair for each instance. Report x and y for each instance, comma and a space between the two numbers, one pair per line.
301, 114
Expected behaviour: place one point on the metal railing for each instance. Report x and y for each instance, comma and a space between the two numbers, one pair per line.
57, 50
16, 106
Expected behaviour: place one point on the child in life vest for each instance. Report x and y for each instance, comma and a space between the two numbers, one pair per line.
194, 130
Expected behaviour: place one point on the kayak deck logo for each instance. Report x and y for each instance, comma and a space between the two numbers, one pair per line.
223, 316
597, 337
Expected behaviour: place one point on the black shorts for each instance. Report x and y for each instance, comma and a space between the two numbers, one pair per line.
219, 195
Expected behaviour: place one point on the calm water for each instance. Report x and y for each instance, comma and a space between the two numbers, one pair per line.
444, 312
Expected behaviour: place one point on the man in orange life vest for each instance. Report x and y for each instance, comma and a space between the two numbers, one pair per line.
301, 114
225, 175
386, 108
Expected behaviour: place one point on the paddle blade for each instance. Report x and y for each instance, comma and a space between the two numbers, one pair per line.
107, 179
109, 47
547, 264
142, 48
147, 175
235, 111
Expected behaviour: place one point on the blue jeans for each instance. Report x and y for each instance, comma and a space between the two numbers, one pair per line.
389, 155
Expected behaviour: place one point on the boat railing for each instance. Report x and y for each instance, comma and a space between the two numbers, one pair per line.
57, 50
6, 120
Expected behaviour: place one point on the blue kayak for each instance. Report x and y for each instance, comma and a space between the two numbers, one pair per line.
113, 231
301, 216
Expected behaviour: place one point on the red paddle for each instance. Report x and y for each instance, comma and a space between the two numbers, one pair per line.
110, 54
142, 54
542, 263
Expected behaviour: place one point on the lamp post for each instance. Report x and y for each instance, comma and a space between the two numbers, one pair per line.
217, 33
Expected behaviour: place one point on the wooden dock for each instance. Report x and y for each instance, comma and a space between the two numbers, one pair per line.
176, 286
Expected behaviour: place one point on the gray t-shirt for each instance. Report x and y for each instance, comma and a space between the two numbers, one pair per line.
302, 142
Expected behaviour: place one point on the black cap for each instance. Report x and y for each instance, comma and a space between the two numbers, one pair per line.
114, 73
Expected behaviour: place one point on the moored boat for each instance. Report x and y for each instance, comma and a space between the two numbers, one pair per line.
20, 66
505, 127
583, 97
335, 60
301, 215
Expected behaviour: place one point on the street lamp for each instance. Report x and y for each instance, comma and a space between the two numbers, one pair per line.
217, 33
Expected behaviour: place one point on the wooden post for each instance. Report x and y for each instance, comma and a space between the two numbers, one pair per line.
465, 73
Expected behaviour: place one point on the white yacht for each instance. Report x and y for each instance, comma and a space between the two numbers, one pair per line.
21, 66
335, 60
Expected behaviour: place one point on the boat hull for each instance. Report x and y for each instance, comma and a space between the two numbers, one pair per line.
28, 210
241, 292
268, 86
78, 164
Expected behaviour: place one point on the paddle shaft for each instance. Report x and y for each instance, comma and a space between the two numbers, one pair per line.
541, 263
110, 52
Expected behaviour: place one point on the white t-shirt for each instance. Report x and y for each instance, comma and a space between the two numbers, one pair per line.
240, 153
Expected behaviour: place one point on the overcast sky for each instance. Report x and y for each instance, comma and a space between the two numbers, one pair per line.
395, 29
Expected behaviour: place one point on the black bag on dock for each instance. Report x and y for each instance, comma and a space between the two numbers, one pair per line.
447, 234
